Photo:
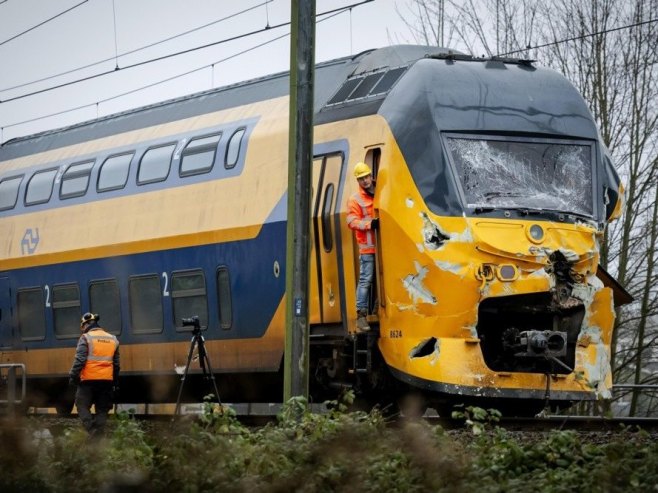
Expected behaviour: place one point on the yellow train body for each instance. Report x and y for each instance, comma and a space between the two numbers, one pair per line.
481, 293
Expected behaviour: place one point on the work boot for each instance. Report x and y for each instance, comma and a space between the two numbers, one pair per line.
362, 321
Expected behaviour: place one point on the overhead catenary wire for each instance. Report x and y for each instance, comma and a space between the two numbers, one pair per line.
130, 52
42, 23
162, 81
576, 38
170, 55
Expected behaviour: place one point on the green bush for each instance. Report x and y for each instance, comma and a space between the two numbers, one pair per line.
307, 452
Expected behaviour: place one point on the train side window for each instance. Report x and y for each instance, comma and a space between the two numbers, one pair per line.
113, 173
199, 155
155, 164
327, 237
66, 310
40, 187
145, 304
9, 192
233, 148
75, 180
104, 300
188, 296
31, 314
224, 298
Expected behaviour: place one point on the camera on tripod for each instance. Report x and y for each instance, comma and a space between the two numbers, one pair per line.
192, 322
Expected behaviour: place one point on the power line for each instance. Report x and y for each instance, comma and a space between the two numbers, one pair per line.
136, 49
164, 57
139, 64
41, 23
555, 43
335, 12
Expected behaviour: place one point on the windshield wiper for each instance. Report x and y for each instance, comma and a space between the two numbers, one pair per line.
500, 193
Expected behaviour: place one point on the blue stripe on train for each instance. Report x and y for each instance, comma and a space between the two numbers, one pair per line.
256, 290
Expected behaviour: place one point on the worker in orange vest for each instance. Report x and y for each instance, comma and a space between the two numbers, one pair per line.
95, 371
360, 218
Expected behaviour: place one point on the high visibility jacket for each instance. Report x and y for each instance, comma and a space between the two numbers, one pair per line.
100, 356
360, 212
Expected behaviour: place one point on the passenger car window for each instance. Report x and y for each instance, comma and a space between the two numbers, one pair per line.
113, 173
224, 298
31, 314
233, 148
188, 295
104, 300
40, 187
75, 180
145, 304
155, 163
66, 310
199, 155
9, 192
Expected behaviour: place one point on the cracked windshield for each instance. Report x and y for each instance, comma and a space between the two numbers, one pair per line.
533, 175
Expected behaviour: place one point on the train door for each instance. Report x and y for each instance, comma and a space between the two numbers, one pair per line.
6, 333
324, 258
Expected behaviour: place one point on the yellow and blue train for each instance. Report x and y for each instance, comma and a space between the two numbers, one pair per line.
493, 191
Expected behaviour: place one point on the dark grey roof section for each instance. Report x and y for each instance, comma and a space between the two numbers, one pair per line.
376, 74
329, 77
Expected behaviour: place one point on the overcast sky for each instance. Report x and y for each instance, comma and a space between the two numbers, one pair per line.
86, 34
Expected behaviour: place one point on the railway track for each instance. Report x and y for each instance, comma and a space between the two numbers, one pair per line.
267, 413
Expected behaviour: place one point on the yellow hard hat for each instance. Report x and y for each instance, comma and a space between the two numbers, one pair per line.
361, 169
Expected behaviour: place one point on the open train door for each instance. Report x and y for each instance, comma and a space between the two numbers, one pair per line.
6, 331
325, 288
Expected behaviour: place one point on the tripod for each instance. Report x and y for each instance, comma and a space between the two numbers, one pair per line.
204, 360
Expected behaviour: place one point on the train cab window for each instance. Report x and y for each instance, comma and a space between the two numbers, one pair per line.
233, 148
40, 187
373, 156
327, 237
224, 298
66, 310
104, 300
145, 304
188, 296
366, 85
31, 314
75, 180
199, 155
345, 91
386, 83
9, 192
113, 173
155, 164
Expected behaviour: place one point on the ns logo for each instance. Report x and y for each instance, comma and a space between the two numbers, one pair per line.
30, 241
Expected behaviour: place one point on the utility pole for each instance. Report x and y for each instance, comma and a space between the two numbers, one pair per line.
300, 161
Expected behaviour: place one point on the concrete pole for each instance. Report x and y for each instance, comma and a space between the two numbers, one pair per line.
300, 161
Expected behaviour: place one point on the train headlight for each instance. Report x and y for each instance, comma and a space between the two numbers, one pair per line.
535, 233
507, 272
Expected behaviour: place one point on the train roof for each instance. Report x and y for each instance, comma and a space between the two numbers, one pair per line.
330, 77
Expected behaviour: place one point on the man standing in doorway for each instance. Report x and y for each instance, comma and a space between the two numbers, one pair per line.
360, 218
95, 371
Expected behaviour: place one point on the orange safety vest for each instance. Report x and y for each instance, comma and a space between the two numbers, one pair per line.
102, 347
360, 211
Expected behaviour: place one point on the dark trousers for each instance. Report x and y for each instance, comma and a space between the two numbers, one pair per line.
99, 394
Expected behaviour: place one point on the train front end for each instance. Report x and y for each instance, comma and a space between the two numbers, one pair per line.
493, 209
